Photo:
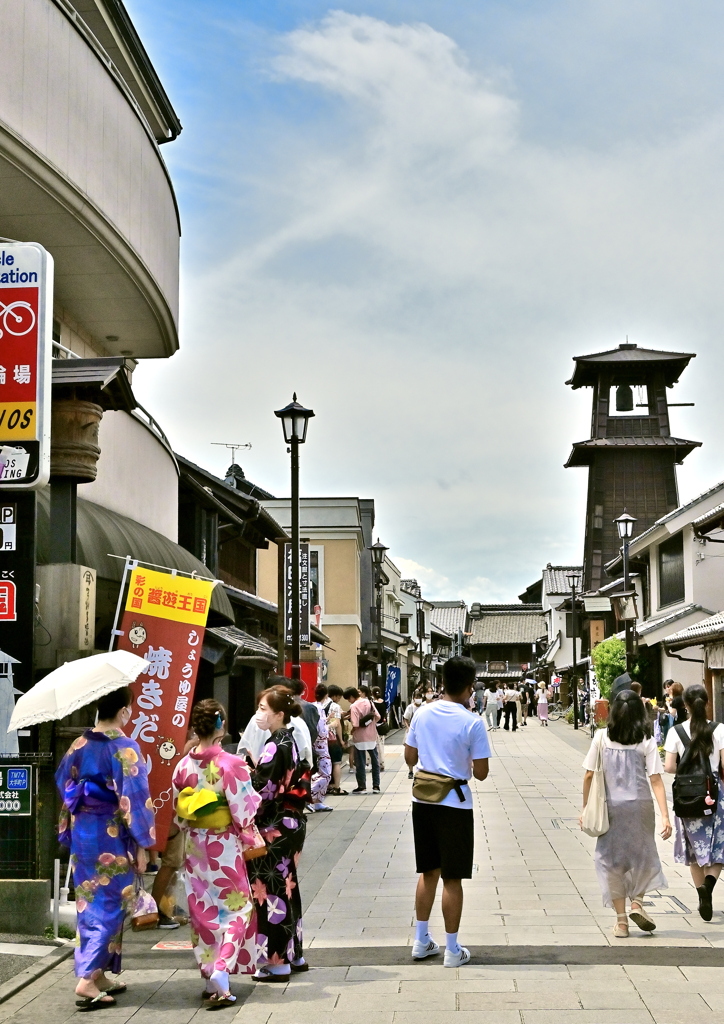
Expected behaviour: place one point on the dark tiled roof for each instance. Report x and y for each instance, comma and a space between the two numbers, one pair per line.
631, 358
412, 587
450, 615
583, 451
650, 625
708, 630
555, 578
635, 542
508, 627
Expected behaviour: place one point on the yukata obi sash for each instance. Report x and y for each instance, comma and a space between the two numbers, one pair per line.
88, 795
203, 808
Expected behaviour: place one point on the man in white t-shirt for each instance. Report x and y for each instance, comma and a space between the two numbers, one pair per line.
410, 711
449, 740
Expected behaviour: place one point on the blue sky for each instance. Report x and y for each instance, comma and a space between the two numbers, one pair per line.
414, 214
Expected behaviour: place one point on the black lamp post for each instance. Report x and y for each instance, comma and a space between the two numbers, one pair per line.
378, 557
420, 607
295, 419
625, 525
572, 578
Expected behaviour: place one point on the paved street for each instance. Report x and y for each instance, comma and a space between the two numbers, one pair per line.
533, 919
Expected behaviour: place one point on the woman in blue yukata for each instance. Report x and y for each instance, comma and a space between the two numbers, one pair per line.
282, 781
107, 821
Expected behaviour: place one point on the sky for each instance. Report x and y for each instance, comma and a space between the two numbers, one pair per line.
414, 213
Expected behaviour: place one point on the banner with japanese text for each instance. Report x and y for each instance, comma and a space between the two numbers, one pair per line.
164, 622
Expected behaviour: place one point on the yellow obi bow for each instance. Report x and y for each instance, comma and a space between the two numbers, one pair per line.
204, 808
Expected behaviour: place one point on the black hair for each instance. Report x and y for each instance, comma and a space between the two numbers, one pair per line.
493, 685
376, 692
627, 719
334, 691
320, 691
351, 693
696, 699
111, 703
204, 717
458, 674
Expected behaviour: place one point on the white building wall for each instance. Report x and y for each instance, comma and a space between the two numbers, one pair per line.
137, 476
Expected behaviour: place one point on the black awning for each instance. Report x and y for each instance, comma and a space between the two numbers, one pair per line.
106, 379
102, 533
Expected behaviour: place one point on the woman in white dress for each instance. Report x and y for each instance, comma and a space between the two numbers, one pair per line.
627, 861
543, 705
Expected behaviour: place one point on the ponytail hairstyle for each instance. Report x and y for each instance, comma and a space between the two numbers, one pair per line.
281, 700
627, 719
696, 699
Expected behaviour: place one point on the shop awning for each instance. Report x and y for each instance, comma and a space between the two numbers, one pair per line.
247, 649
102, 533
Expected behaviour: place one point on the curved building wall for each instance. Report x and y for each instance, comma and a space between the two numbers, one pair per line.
91, 151
137, 475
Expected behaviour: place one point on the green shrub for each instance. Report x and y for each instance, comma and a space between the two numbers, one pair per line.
64, 932
569, 715
609, 661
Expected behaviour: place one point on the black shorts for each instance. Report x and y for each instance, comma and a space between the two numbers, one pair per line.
443, 839
335, 752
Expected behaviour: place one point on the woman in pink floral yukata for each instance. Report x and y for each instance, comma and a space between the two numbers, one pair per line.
216, 803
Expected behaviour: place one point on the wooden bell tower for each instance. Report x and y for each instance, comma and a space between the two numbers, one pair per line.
631, 454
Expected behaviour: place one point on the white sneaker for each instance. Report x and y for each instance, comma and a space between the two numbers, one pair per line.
421, 950
457, 959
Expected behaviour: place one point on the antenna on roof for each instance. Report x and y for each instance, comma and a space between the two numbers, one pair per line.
234, 448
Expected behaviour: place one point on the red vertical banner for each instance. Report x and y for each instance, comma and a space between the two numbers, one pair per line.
164, 622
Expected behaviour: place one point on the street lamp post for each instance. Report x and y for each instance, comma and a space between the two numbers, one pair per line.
295, 419
572, 581
420, 607
625, 525
378, 557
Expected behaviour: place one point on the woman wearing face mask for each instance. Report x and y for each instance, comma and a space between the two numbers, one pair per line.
107, 821
215, 806
278, 778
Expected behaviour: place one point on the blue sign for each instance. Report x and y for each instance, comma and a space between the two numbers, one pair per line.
17, 778
393, 684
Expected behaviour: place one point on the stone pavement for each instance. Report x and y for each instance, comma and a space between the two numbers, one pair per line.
542, 943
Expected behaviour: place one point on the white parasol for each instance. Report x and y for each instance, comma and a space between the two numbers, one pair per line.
74, 685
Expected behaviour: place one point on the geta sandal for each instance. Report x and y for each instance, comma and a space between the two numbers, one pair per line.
298, 968
99, 1002
263, 974
218, 1002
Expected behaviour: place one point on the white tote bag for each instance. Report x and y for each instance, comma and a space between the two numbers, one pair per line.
595, 814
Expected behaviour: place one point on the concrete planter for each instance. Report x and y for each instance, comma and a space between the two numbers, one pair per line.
24, 905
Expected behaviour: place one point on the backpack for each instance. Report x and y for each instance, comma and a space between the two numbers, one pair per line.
694, 782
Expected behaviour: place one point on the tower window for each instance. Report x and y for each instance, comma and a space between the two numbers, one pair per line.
671, 571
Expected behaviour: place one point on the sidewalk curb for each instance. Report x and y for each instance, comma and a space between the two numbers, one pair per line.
35, 971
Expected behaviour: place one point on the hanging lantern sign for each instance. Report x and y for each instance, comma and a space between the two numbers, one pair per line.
26, 323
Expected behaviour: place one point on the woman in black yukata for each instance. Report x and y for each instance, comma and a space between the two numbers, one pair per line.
282, 780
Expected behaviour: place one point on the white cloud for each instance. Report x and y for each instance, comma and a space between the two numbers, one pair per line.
422, 272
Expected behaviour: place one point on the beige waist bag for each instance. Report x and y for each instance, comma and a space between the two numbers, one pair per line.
433, 788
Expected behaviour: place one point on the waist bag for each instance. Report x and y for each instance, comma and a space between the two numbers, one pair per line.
433, 788
695, 787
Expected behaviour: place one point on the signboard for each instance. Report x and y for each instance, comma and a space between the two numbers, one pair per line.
26, 323
597, 604
17, 604
164, 622
304, 634
598, 631
16, 795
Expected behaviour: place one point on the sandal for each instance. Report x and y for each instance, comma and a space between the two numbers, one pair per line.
620, 929
99, 1002
299, 968
218, 1002
641, 918
263, 974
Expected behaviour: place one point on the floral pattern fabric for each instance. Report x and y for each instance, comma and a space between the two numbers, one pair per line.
274, 882
701, 840
221, 910
107, 814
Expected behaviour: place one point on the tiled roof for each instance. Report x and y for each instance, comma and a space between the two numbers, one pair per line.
450, 615
711, 629
412, 587
555, 581
714, 516
582, 453
245, 645
677, 512
649, 625
508, 627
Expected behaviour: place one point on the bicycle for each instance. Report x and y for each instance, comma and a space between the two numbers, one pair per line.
555, 710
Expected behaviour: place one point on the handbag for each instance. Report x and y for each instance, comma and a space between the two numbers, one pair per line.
383, 728
432, 788
594, 820
144, 913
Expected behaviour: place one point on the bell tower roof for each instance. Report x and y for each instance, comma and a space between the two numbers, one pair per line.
629, 364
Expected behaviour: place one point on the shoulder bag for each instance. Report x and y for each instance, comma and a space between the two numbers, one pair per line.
594, 821
367, 719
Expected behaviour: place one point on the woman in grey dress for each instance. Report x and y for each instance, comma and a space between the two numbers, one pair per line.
627, 862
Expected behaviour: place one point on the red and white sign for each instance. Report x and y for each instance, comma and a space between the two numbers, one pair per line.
7, 601
26, 310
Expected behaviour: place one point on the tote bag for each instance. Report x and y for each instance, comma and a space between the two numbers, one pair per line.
594, 821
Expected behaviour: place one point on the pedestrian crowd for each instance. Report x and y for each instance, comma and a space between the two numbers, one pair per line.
240, 822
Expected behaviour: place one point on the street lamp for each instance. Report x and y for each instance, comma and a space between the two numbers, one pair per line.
295, 419
625, 526
572, 578
378, 557
420, 607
